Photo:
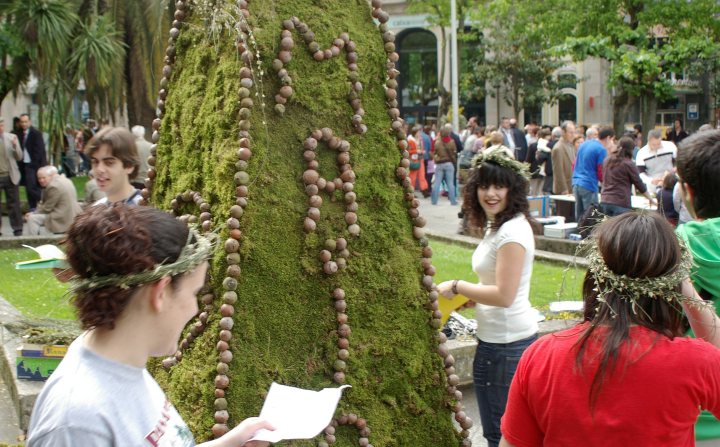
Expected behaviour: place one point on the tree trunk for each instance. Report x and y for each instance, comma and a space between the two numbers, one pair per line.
620, 101
442, 91
648, 104
269, 292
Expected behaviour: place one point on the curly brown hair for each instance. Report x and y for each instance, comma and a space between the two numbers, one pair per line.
118, 239
491, 174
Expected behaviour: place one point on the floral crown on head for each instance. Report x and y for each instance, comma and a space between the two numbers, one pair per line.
664, 287
500, 158
192, 255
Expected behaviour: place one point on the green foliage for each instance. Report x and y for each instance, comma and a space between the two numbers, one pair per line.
644, 41
97, 50
513, 57
285, 325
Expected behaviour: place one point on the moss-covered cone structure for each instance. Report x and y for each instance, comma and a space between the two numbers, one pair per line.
278, 130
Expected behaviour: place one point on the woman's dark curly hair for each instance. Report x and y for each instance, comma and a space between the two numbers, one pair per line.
118, 239
488, 174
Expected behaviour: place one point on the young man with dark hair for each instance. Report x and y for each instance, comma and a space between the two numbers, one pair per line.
114, 159
698, 167
588, 169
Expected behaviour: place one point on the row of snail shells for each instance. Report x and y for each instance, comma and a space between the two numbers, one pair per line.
403, 174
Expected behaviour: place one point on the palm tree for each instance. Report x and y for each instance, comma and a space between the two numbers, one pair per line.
115, 47
144, 25
65, 49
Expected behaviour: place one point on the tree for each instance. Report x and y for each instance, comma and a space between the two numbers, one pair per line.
63, 49
439, 15
515, 61
143, 25
115, 47
643, 41
316, 281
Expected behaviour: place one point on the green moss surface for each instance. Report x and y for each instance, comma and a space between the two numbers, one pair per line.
285, 327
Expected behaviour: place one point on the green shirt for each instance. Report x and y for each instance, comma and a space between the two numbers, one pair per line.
703, 240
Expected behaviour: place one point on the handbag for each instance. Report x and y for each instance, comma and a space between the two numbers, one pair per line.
415, 162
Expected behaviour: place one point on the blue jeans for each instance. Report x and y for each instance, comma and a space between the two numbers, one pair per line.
493, 369
583, 199
444, 171
612, 210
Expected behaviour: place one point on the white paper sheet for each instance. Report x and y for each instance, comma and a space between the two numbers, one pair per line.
297, 413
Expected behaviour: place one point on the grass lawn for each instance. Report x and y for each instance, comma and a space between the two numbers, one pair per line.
36, 293
79, 187
454, 262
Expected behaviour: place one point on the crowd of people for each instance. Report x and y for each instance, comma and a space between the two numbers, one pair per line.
587, 162
648, 287
113, 158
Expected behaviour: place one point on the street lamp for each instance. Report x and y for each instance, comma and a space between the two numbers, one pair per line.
454, 66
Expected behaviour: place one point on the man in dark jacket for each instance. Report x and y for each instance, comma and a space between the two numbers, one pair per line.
34, 157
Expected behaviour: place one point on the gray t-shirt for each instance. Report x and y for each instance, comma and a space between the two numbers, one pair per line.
92, 401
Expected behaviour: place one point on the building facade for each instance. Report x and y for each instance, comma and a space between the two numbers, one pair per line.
587, 97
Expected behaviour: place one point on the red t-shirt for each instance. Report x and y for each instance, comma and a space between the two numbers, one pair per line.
652, 398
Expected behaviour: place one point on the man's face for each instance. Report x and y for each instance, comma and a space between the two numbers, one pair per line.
569, 132
512, 122
505, 123
43, 178
654, 143
110, 174
472, 122
25, 122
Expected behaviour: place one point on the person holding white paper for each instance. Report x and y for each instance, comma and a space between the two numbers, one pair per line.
138, 271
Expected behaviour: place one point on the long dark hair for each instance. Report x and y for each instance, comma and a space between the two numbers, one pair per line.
625, 149
118, 239
491, 174
637, 245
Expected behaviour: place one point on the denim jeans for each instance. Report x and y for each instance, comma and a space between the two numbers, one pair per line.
583, 199
444, 171
493, 369
612, 210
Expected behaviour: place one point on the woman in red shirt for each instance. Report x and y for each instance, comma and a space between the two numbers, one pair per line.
626, 376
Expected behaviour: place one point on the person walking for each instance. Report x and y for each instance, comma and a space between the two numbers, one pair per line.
444, 155
10, 154
495, 201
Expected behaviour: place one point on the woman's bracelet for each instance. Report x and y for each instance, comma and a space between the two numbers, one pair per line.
454, 287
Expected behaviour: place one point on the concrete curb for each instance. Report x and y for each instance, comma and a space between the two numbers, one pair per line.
11, 242
471, 242
22, 392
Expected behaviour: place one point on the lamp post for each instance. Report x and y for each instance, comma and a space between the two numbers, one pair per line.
454, 65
